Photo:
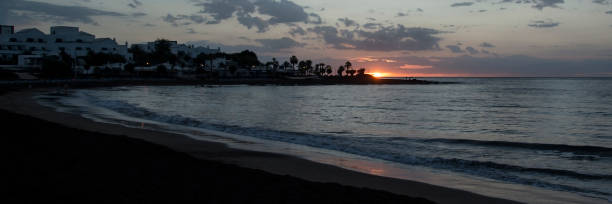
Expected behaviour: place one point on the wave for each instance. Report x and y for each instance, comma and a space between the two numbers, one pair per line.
404, 151
583, 150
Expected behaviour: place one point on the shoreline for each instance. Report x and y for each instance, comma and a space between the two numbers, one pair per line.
21, 102
109, 82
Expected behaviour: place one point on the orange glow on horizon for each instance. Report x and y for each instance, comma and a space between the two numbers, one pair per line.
377, 74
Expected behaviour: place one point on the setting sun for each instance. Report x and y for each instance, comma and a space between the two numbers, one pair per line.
376, 74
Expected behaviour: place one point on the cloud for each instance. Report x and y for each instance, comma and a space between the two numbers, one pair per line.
257, 13
541, 4
18, 11
183, 19
135, 4
372, 26
138, 14
279, 44
269, 45
471, 50
297, 30
602, 2
486, 44
348, 22
389, 38
251, 21
538, 4
454, 48
372, 59
462, 4
543, 24
415, 66
191, 31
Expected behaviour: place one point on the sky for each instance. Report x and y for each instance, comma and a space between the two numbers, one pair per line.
477, 38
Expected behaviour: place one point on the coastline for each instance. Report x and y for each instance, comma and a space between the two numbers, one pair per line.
21, 102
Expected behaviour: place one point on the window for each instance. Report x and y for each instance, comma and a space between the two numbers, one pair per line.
79, 48
32, 48
62, 48
30, 40
40, 40
59, 40
79, 40
114, 49
105, 49
88, 49
13, 40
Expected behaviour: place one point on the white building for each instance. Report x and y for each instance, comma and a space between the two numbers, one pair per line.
175, 48
29, 44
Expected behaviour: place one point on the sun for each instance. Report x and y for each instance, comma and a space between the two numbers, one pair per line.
376, 74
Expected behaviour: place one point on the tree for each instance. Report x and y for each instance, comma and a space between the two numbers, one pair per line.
140, 56
100, 58
245, 58
328, 69
340, 70
320, 69
275, 65
53, 67
294, 60
348, 66
361, 72
302, 67
161, 69
351, 72
162, 52
200, 61
286, 64
180, 58
309, 67
131, 68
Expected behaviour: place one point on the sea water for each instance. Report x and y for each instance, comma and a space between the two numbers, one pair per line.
548, 133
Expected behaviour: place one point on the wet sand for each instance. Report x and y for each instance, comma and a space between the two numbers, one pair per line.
179, 162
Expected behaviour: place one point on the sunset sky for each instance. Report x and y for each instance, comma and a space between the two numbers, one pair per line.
399, 38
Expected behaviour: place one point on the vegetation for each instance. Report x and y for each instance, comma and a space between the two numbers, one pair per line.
56, 67
162, 61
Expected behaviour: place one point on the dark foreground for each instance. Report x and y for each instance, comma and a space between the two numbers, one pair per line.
50, 163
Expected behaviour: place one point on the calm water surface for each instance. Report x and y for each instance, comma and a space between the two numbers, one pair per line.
544, 132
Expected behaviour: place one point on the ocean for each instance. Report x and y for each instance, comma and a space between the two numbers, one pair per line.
553, 134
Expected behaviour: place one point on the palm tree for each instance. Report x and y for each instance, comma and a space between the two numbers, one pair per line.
294, 60
274, 65
328, 69
286, 64
351, 72
361, 72
321, 69
309, 67
340, 70
348, 66
302, 66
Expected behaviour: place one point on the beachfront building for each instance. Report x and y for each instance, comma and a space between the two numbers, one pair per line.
175, 48
25, 48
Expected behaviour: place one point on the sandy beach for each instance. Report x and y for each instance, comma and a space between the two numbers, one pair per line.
291, 170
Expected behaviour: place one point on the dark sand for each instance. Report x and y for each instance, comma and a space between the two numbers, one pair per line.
73, 159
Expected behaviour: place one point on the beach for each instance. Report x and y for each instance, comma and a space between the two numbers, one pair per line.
300, 170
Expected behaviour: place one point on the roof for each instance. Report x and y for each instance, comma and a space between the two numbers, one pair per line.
31, 31
86, 33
